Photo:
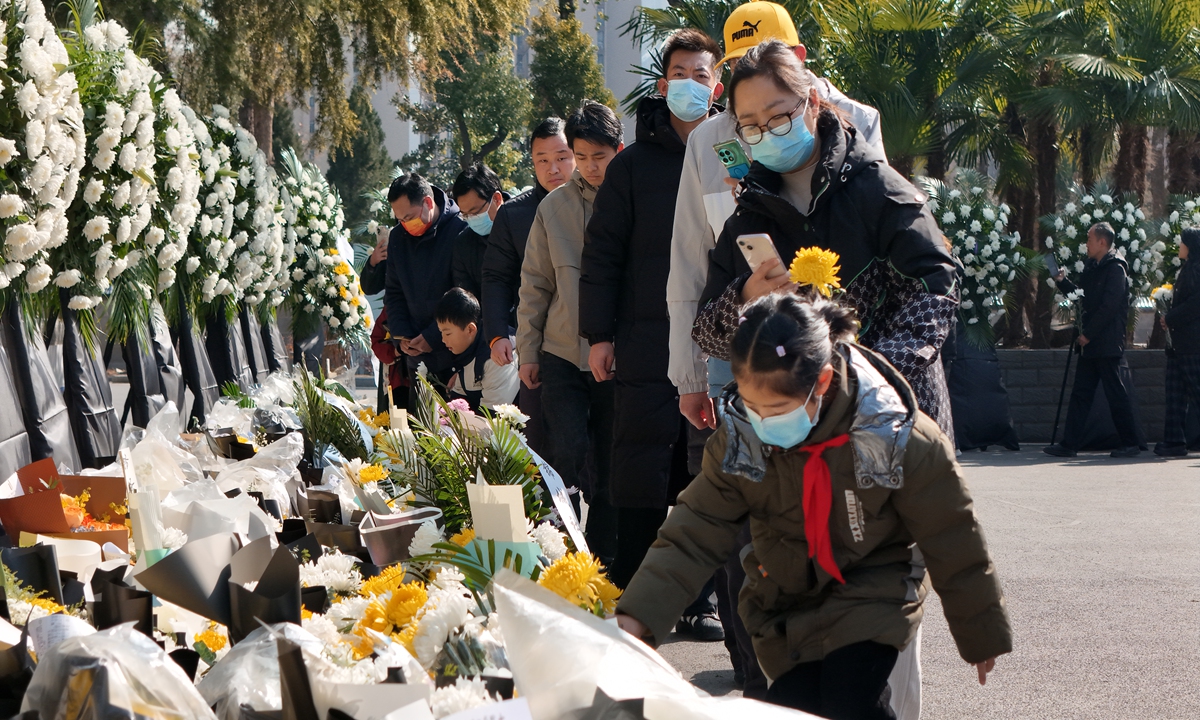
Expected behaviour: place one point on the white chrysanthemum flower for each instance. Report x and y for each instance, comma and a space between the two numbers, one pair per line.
463, 695
550, 540
423, 540
68, 278
11, 205
79, 302
95, 228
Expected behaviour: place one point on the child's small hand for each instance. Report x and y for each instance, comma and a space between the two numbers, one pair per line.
983, 668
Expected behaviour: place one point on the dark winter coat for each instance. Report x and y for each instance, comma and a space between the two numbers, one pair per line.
623, 300
501, 276
896, 270
1105, 285
418, 274
1184, 316
373, 278
469, 249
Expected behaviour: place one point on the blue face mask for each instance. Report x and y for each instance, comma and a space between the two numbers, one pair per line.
788, 152
481, 223
787, 430
688, 99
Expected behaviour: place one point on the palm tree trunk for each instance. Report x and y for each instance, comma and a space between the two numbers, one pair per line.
1129, 175
1085, 143
902, 165
1045, 146
1183, 162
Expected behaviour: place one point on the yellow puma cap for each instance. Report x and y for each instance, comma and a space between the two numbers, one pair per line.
755, 22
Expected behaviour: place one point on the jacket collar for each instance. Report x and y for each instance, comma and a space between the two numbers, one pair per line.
654, 124
447, 209
843, 156
871, 401
585, 189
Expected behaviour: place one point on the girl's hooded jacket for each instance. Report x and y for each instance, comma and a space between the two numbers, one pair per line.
895, 483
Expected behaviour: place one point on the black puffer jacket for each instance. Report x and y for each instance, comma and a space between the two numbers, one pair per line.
623, 299
1184, 317
1105, 285
895, 267
469, 249
502, 262
418, 274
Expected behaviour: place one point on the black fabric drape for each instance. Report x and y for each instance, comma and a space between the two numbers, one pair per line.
170, 370
194, 363
146, 396
39, 393
978, 398
88, 395
308, 348
274, 348
227, 351
14, 441
256, 353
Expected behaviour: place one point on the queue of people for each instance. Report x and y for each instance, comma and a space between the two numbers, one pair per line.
759, 464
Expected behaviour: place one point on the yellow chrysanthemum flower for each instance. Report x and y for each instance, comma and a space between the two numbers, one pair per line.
388, 579
404, 604
306, 614
341, 268
405, 638
212, 639
817, 267
463, 537
360, 644
48, 605
367, 320
375, 618
344, 292
580, 579
372, 473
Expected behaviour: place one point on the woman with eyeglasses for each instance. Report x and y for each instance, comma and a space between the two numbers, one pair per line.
815, 182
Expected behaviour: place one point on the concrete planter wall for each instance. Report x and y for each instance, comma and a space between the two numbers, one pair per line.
1033, 379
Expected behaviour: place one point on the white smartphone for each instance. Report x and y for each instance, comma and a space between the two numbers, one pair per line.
757, 249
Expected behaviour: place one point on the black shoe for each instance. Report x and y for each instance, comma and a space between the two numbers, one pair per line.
1058, 451
1126, 452
703, 628
1165, 449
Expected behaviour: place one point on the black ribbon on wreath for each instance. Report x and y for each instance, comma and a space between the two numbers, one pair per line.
88, 394
197, 371
43, 409
227, 351
978, 398
252, 338
155, 374
275, 348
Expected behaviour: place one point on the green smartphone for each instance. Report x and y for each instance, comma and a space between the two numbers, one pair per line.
733, 157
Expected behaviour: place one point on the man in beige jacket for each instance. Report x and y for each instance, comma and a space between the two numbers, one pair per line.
578, 410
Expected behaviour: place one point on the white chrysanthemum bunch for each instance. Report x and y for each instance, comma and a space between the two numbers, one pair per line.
449, 606
1067, 235
550, 540
178, 175
237, 250
113, 249
991, 256
380, 215
463, 695
336, 572
1185, 213
324, 283
42, 145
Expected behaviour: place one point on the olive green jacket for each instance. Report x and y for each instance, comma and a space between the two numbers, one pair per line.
894, 484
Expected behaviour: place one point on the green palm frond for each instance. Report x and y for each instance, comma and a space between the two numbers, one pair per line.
323, 423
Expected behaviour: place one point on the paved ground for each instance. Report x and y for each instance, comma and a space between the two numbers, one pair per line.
1100, 561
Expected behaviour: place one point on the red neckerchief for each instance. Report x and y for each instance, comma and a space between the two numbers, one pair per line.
818, 502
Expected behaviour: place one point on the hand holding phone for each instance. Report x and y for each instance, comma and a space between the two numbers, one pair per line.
757, 249
733, 157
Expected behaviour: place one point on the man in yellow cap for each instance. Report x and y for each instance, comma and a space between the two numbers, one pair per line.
703, 204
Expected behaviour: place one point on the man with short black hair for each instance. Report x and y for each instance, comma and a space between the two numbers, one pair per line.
553, 163
578, 408
1105, 308
477, 193
623, 306
420, 252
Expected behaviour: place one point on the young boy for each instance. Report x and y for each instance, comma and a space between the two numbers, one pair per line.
476, 377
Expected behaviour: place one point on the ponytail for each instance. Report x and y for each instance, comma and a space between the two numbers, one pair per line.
788, 339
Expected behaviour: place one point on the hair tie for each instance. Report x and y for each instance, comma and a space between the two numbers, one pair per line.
741, 319
780, 351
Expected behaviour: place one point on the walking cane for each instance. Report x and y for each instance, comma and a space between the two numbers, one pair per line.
1063, 390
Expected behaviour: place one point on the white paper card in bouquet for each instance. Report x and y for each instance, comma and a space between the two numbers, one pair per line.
517, 709
497, 512
47, 632
562, 501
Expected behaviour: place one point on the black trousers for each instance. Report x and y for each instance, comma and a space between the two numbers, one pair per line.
1089, 373
850, 683
1183, 387
578, 412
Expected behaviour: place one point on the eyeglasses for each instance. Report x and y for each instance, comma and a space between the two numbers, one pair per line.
778, 125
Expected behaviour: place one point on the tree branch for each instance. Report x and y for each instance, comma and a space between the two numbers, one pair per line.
464, 136
490, 146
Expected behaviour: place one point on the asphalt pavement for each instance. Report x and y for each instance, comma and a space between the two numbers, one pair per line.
1100, 563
